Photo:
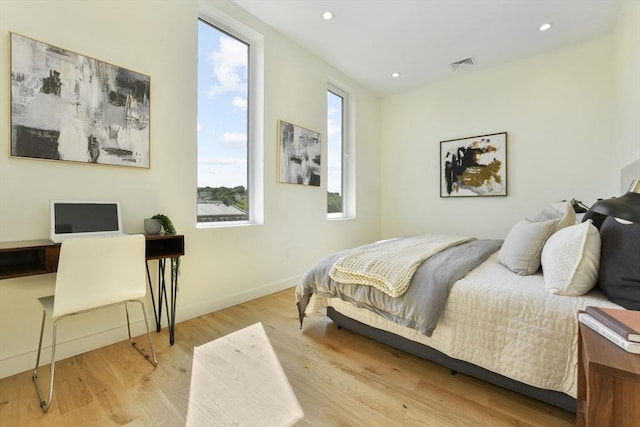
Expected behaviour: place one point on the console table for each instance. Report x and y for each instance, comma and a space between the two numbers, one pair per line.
32, 257
163, 248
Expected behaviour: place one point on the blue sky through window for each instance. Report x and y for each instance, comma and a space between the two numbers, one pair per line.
222, 108
334, 142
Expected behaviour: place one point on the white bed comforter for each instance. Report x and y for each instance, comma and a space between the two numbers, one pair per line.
502, 322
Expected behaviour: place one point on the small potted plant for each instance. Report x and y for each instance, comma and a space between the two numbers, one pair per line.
166, 223
168, 228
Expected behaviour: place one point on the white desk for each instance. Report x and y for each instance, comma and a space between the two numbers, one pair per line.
237, 380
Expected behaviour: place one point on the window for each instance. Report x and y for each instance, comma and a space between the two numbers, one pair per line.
336, 155
223, 126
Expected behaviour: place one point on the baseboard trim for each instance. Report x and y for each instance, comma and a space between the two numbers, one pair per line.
18, 363
26, 361
210, 306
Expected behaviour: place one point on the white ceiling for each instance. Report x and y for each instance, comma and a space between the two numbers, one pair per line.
369, 39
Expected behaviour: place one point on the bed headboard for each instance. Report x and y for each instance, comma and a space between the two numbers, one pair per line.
628, 174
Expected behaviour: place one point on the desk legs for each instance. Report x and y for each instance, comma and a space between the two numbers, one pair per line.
170, 300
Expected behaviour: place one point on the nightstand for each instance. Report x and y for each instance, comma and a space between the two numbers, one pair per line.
608, 382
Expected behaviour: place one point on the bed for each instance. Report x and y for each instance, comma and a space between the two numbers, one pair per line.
512, 328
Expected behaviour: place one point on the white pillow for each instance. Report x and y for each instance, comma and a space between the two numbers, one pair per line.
522, 247
570, 260
562, 212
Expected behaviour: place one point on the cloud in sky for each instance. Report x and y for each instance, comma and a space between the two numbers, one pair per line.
222, 172
240, 102
223, 161
235, 139
229, 67
333, 121
333, 128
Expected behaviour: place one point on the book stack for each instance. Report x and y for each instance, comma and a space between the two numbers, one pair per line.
620, 326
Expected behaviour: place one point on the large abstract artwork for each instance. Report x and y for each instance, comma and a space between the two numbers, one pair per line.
66, 106
299, 154
475, 166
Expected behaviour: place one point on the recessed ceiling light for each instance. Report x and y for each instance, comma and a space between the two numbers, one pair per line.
327, 16
395, 75
545, 27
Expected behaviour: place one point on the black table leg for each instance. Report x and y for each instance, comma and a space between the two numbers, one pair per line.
153, 300
174, 290
169, 300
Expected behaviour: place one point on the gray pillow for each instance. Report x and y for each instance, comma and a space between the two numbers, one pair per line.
523, 245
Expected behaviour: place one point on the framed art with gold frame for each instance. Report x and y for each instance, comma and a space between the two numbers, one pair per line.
299, 154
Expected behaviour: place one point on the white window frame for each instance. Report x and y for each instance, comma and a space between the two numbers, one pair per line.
255, 116
348, 149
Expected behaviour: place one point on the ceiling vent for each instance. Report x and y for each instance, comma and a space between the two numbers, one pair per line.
464, 62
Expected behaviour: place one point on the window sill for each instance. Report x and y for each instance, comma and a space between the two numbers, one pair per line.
225, 224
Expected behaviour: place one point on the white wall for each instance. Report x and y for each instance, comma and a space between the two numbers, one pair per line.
571, 116
626, 128
222, 266
557, 109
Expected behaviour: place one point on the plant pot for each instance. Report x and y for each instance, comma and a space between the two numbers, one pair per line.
152, 226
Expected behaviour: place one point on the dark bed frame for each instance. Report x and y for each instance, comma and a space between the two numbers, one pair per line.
555, 398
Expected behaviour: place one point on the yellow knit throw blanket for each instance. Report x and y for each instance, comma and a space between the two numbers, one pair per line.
389, 267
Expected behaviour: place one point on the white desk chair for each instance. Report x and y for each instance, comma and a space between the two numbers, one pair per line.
95, 273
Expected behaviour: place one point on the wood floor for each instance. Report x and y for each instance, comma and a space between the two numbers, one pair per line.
340, 379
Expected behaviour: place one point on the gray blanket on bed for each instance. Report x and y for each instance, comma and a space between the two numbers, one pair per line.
421, 306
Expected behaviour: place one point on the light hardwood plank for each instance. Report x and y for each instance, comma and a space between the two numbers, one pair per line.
238, 380
340, 379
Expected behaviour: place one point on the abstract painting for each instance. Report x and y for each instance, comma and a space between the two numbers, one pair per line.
66, 106
298, 154
475, 166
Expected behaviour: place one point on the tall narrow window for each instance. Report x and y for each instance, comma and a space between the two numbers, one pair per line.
223, 126
335, 153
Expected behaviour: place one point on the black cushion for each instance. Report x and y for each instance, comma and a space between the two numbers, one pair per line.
619, 275
595, 217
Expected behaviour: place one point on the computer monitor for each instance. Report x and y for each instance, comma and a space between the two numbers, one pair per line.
84, 218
